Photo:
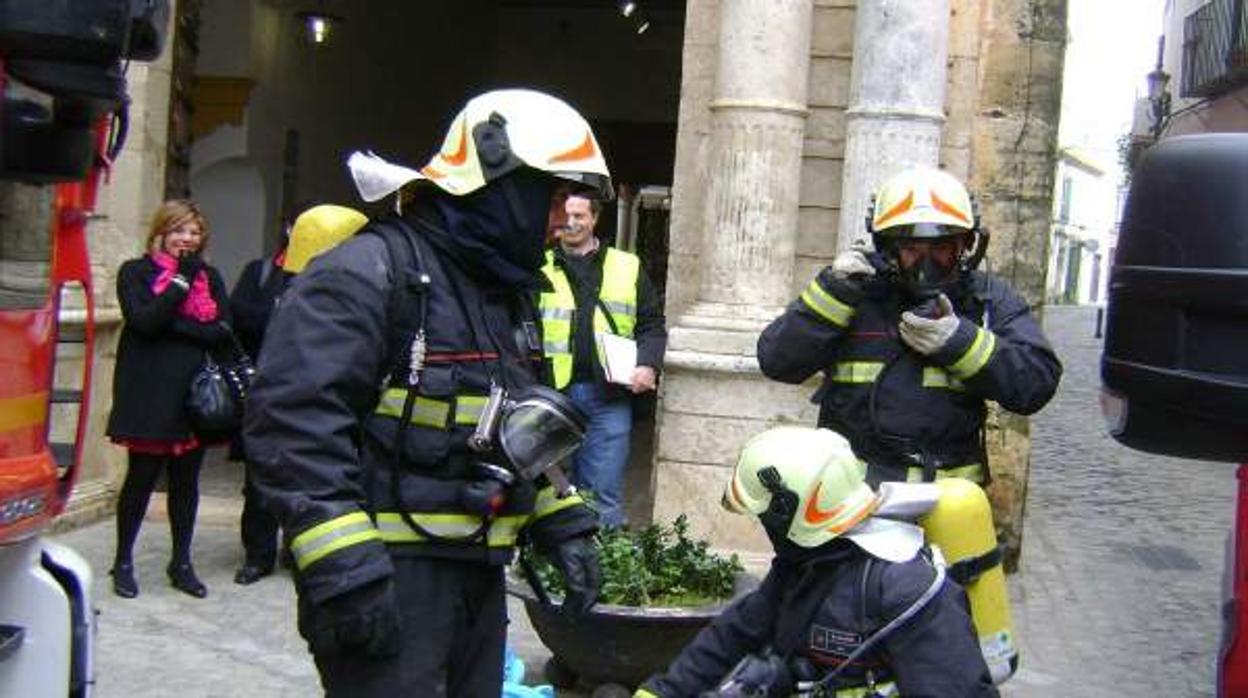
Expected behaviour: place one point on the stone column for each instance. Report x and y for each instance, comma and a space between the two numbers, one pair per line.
713, 395
896, 101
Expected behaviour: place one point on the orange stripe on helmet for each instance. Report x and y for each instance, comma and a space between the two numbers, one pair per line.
945, 207
814, 515
431, 173
585, 150
458, 157
902, 206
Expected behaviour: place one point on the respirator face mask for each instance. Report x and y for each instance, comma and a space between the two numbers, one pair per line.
532, 429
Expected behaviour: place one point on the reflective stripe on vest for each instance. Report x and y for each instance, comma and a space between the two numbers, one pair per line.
977, 356
973, 472
826, 306
502, 533
330, 536
618, 294
431, 412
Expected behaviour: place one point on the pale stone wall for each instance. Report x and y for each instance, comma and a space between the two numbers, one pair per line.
1014, 148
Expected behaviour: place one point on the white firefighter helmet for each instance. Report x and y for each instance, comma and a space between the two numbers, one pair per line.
921, 202
502, 130
805, 484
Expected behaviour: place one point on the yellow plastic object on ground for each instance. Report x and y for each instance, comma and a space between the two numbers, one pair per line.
961, 525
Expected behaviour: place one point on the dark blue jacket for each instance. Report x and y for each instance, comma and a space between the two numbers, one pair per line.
815, 613
899, 409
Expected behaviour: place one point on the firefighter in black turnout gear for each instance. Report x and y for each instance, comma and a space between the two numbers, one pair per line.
382, 441
912, 340
854, 604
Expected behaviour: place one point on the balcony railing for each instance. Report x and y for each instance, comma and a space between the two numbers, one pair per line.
1215, 49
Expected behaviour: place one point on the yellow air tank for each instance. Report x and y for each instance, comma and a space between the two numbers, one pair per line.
961, 525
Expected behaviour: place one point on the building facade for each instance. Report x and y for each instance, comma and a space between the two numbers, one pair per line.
770, 120
1085, 205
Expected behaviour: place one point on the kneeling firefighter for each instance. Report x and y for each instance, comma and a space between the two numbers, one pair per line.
396, 423
854, 604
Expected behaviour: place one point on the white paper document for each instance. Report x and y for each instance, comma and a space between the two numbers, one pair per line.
618, 356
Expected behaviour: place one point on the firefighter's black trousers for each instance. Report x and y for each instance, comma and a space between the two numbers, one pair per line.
454, 627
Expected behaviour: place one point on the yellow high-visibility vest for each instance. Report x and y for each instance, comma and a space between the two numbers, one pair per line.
618, 295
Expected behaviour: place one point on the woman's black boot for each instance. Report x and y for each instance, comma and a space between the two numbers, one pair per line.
124, 583
182, 577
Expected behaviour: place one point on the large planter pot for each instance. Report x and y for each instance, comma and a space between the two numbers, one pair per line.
620, 645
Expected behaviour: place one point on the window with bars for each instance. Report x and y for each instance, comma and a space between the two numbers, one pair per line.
1215, 49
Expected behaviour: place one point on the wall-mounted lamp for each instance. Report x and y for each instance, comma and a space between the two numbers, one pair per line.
642, 26
318, 26
628, 7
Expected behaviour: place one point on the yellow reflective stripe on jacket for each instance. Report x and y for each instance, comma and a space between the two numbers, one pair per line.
973, 472
548, 502
431, 412
936, 377
618, 294
329, 536
857, 371
882, 690
826, 306
643, 693
977, 356
502, 533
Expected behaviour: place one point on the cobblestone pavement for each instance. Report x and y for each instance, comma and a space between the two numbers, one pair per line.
1123, 552
1118, 594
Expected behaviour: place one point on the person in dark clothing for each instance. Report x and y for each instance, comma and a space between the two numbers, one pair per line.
912, 340
259, 286
372, 420
175, 309
315, 230
599, 290
854, 603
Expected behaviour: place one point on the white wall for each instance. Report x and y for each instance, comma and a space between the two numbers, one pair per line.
231, 195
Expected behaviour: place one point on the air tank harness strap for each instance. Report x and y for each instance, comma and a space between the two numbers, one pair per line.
967, 570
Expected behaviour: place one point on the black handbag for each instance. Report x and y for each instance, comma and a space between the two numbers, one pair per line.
218, 390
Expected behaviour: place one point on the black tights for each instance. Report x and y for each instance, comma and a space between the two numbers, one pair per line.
183, 501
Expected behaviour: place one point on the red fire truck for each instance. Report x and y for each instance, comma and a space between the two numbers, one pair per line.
62, 118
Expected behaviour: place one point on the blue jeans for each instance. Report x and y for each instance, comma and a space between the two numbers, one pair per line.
598, 465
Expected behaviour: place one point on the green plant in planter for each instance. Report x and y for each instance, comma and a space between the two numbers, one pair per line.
654, 566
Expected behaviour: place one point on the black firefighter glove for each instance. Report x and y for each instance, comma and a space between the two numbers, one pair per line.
189, 265
361, 621
577, 560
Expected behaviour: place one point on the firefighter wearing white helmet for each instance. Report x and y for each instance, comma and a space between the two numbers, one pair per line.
913, 339
854, 603
403, 504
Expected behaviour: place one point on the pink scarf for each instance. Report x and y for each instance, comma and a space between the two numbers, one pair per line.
198, 304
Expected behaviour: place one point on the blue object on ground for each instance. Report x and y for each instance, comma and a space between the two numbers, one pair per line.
513, 677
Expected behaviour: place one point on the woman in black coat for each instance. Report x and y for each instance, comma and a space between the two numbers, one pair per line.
175, 308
